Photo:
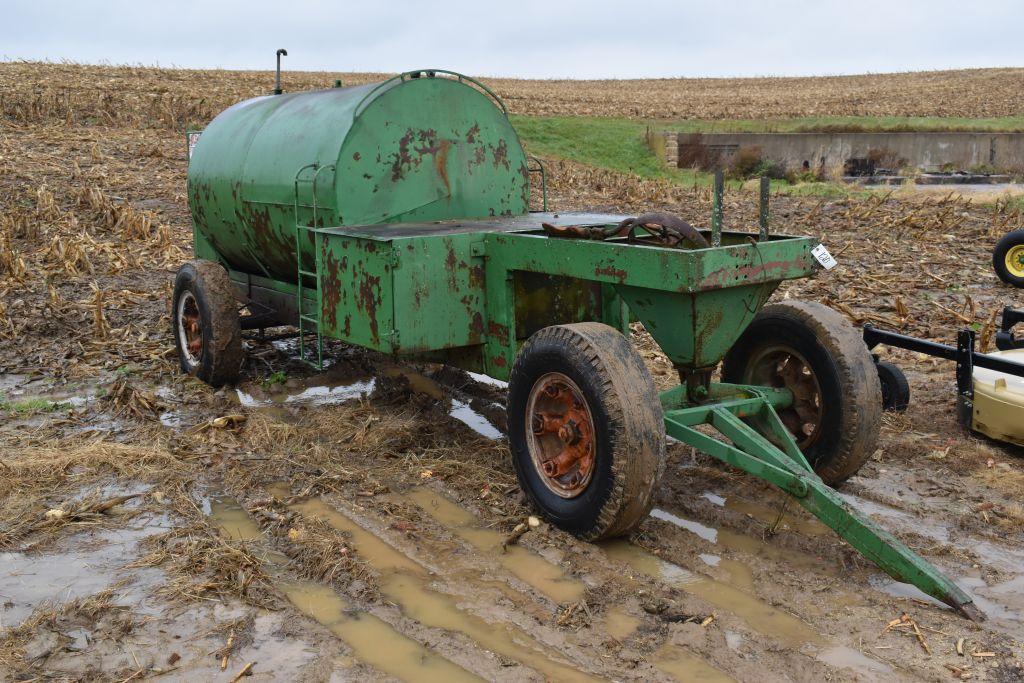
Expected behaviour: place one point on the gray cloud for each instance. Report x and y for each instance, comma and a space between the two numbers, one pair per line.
529, 38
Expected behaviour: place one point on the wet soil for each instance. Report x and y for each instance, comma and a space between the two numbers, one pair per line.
348, 524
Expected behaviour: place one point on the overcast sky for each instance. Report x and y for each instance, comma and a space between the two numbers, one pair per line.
526, 38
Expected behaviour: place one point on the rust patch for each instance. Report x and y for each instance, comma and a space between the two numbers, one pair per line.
276, 253
441, 164
413, 147
449, 263
611, 271
479, 156
402, 159
347, 330
332, 290
476, 276
369, 298
472, 133
497, 330
476, 327
501, 155
356, 156
500, 361
562, 431
751, 274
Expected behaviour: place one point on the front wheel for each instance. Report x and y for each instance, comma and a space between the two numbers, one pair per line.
814, 352
586, 429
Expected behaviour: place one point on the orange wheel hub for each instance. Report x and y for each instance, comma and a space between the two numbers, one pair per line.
561, 435
784, 368
190, 330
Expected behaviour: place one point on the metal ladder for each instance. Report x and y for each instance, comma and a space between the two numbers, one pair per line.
300, 287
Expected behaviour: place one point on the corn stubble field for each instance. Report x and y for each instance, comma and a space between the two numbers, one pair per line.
298, 528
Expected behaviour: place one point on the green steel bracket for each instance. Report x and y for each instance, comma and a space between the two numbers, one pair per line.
718, 193
762, 209
785, 466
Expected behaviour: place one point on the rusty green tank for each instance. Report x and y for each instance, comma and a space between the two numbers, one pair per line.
315, 158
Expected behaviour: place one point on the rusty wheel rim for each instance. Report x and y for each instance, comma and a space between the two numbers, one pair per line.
785, 368
190, 330
560, 435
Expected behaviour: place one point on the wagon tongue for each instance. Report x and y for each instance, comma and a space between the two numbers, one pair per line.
786, 467
882, 548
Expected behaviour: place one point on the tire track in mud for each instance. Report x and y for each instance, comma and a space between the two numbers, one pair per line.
535, 572
363, 632
740, 600
672, 660
544, 583
406, 583
529, 568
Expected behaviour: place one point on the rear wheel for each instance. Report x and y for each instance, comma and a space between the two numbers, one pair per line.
205, 323
815, 353
1008, 258
586, 429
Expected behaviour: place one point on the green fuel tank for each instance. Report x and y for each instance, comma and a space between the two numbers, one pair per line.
422, 146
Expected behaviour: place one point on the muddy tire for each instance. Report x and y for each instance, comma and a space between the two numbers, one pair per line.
814, 351
205, 323
895, 387
1008, 258
580, 393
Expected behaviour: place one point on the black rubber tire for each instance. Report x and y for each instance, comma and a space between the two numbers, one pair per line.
840, 361
220, 360
895, 388
628, 422
1003, 246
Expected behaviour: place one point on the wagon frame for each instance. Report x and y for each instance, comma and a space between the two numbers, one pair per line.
477, 292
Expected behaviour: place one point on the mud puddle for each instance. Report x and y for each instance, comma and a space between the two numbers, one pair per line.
619, 624
886, 514
760, 616
31, 398
740, 575
340, 387
868, 669
80, 566
465, 414
777, 515
526, 566
406, 584
686, 668
371, 639
744, 545
1002, 603
670, 659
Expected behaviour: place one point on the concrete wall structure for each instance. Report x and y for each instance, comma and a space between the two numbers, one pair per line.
926, 151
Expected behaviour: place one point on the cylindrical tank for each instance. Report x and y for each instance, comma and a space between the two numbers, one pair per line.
422, 146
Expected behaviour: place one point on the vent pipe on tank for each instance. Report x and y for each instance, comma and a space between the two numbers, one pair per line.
277, 78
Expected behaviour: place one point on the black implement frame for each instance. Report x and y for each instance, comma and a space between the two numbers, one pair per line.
963, 354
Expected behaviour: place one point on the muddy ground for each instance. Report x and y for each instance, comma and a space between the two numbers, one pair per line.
347, 525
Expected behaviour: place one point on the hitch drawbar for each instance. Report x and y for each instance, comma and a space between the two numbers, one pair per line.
775, 458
